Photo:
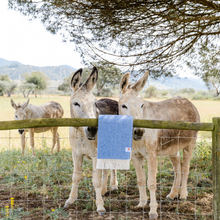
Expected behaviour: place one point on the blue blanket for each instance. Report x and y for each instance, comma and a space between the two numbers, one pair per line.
114, 141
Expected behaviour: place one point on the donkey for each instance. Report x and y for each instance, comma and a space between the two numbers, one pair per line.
151, 143
83, 140
28, 111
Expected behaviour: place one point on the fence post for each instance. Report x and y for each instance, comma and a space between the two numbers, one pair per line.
216, 167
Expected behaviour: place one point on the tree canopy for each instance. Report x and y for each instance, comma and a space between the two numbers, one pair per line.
40, 80
6, 85
108, 78
206, 64
140, 35
27, 88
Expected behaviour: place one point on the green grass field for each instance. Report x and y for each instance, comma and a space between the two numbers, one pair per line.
40, 185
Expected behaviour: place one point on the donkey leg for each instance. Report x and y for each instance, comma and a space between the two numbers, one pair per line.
104, 181
114, 181
22, 143
54, 132
31, 132
141, 179
58, 142
96, 179
176, 161
151, 183
77, 176
187, 154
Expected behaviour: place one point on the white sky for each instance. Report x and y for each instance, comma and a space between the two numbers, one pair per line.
29, 43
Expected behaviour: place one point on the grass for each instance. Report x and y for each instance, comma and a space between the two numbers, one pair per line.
40, 185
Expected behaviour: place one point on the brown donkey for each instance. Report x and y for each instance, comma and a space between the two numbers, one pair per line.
28, 111
83, 139
150, 143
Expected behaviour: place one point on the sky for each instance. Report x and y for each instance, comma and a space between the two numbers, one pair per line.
29, 43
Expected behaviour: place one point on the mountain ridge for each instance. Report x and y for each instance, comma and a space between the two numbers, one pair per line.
15, 70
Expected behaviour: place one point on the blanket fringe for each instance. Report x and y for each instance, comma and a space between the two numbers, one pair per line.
113, 164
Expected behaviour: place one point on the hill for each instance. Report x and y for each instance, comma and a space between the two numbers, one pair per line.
56, 74
16, 69
176, 82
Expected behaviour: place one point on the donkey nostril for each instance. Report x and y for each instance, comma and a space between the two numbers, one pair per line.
89, 129
135, 132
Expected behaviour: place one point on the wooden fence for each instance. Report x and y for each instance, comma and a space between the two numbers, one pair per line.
214, 127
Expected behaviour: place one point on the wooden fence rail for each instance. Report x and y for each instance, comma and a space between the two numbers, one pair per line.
154, 124
84, 122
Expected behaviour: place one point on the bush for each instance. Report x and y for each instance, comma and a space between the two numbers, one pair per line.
202, 95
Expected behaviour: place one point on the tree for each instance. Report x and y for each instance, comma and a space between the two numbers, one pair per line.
40, 80
143, 34
108, 78
8, 87
215, 83
2, 87
150, 92
65, 86
188, 91
5, 77
206, 64
27, 88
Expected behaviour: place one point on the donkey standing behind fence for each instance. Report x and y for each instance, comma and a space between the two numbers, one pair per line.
158, 142
28, 111
83, 140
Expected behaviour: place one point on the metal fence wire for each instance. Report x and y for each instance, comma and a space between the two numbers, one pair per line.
37, 187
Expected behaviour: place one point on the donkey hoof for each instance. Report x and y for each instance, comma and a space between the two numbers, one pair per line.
170, 198
66, 206
101, 213
114, 188
153, 216
104, 192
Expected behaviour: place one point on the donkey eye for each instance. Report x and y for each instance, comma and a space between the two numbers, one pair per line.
142, 105
124, 106
16, 116
76, 104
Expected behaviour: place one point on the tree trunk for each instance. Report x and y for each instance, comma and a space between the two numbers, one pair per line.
100, 89
35, 94
98, 93
24, 94
9, 94
28, 93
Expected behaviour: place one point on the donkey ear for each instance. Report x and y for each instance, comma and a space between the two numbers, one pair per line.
92, 79
13, 104
25, 104
139, 85
76, 79
124, 83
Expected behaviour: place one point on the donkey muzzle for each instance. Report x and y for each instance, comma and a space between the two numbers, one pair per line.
91, 132
20, 131
138, 133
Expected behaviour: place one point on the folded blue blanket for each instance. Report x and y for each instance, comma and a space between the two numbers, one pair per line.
114, 141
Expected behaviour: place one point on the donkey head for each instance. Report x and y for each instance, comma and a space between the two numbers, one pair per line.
82, 101
130, 103
20, 112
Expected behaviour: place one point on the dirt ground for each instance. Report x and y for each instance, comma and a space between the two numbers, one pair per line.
119, 205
